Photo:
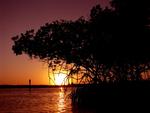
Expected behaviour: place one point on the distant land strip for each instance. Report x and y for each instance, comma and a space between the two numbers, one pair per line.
36, 86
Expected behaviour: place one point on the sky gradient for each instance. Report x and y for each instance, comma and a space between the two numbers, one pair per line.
17, 16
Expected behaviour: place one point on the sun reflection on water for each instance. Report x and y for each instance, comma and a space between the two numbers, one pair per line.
61, 101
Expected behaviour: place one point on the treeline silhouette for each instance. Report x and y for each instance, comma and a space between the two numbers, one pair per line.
112, 45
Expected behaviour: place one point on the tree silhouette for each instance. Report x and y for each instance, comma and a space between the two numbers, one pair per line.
111, 45
133, 33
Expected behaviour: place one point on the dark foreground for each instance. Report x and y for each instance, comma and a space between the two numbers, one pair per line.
129, 95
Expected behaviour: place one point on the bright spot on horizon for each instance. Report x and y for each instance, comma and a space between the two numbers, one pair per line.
60, 78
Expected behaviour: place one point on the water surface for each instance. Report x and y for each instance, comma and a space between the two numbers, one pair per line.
39, 100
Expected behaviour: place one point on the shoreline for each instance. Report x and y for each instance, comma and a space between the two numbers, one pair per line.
36, 86
121, 84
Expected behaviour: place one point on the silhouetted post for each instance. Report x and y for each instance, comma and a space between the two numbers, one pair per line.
77, 78
29, 84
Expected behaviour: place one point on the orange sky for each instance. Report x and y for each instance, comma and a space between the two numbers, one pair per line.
17, 16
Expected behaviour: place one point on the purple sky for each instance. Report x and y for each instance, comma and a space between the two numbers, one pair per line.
17, 16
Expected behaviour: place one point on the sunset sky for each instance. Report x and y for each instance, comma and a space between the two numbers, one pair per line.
17, 16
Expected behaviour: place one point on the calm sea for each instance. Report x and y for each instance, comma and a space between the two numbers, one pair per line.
39, 100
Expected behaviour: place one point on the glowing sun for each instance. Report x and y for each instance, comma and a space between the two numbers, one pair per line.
60, 78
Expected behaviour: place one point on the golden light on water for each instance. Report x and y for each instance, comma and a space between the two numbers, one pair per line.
61, 101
